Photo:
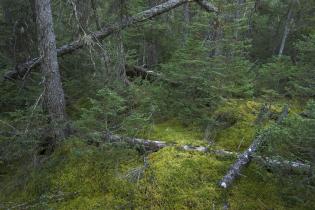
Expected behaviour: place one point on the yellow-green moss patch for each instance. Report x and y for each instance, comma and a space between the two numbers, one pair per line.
173, 131
182, 180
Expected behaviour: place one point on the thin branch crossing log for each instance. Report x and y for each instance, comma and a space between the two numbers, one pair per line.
23, 69
244, 159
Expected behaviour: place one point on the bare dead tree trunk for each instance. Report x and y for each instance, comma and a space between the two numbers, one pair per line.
95, 14
186, 22
54, 100
101, 49
245, 158
82, 12
121, 60
286, 30
254, 10
215, 37
23, 68
121, 57
20, 47
238, 15
150, 56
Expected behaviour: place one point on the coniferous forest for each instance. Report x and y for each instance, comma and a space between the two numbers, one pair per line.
157, 104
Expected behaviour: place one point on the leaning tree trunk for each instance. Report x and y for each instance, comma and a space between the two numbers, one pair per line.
24, 68
54, 100
244, 159
286, 31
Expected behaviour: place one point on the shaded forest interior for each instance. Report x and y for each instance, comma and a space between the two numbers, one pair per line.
157, 104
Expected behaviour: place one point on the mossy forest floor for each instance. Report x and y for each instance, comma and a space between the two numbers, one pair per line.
84, 176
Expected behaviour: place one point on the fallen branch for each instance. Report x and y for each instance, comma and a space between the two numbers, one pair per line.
244, 159
155, 145
23, 69
150, 145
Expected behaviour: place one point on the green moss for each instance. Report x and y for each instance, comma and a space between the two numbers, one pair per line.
92, 177
240, 135
182, 180
257, 189
88, 174
173, 131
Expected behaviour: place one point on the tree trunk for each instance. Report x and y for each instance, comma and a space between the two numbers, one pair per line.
82, 12
95, 14
238, 15
151, 55
23, 68
121, 60
244, 159
186, 22
215, 37
54, 100
121, 57
286, 31
105, 59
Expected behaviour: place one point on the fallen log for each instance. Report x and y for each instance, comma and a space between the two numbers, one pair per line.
275, 162
244, 159
155, 145
150, 145
21, 70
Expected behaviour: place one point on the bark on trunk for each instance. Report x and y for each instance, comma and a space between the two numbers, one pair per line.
21, 69
54, 100
244, 159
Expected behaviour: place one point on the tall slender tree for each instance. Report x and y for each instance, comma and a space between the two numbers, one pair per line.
286, 30
54, 100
